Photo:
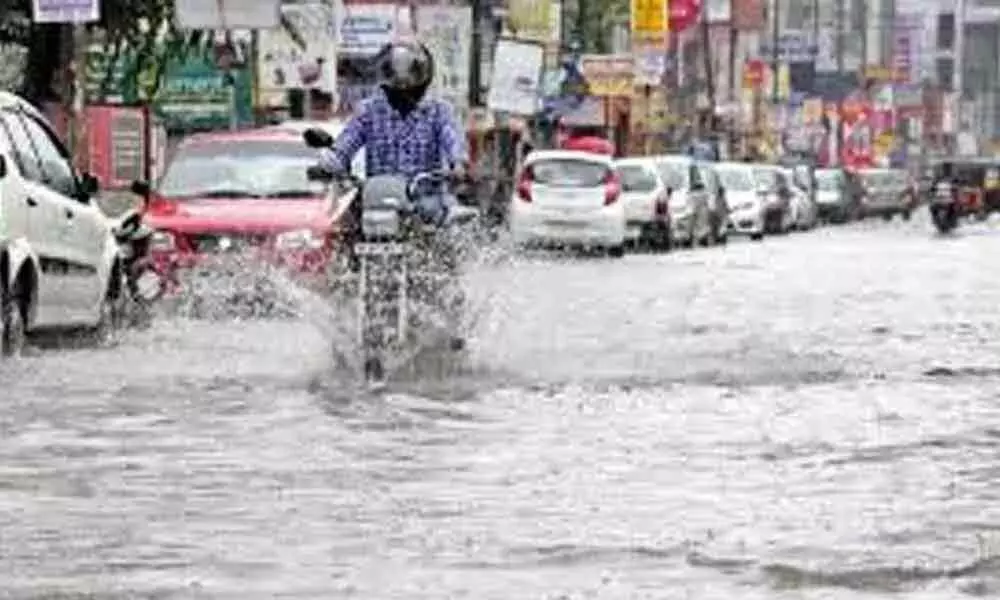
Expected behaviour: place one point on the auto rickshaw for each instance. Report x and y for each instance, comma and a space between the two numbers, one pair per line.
964, 187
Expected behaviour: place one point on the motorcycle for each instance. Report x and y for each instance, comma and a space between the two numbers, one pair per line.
142, 282
406, 268
944, 207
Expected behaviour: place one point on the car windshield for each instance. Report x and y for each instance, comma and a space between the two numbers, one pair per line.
244, 169
673, 174
875, 180
568, 172
829, 181
636, 178
737, 180
765, 177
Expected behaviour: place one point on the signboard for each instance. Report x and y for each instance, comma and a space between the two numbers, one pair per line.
650, 64
649, 19
283, 64
196, 95
609, 74
366, 28
753, 74
117, 146
531, 19
517, 70
793, 46
65, 11
225, 14
445, 30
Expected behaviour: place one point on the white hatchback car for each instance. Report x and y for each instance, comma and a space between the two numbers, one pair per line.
647, 212
747, 203
568, 198
58, 257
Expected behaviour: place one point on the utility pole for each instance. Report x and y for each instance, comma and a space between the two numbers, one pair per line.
475, 69
775, 42
958, 78
839, 17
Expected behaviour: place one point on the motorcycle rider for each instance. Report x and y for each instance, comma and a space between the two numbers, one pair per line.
403, 133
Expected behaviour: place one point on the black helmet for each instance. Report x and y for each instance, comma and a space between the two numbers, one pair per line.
406, 68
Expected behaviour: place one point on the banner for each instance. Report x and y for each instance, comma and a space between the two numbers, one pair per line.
530, 19
447, 31
65, 11
516, 81
608, 74
649, 19
366, 28
283, 64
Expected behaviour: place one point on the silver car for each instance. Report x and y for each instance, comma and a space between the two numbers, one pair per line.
885, 193
833, 197
688, 200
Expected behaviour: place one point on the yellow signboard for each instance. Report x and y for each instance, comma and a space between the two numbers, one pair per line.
649, 18
608, 74
531, 19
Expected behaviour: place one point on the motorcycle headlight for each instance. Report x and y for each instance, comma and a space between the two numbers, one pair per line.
163, 241
301, 239
380, 223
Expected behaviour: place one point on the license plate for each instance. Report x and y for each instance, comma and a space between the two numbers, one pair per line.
565, 224
379, 249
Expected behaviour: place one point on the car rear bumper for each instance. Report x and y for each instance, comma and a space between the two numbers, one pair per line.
595, 230
746, 222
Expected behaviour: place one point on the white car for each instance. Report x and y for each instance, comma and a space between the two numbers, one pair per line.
59, 259
747, 203
689, 201
333, 127
647, 211
568, 198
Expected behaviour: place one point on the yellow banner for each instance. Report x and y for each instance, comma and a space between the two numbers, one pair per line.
608, 74
531, 19
649, 18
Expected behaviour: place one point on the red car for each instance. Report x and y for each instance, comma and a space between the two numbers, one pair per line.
241, 193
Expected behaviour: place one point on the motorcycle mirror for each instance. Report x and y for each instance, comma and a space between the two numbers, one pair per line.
141, 188
317, 138
129, 224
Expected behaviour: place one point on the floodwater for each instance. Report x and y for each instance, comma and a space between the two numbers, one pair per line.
816, 416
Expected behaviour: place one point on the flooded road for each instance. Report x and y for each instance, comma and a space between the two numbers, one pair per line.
816, 416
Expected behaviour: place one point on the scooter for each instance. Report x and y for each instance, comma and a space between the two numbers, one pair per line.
143, 283
944, 207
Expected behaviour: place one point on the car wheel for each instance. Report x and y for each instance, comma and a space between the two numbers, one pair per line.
616, 251
758, 236
13, 323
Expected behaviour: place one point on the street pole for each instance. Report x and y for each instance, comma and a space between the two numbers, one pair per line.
475, 69
706, 47
775, 33
958, 79
839, 17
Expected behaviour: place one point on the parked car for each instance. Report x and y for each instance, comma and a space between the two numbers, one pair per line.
747, 203
776, 188
834, 200
238, 197
805, 214
644, 195
719, 205
689, 201
60, 260
886, 193
569, 198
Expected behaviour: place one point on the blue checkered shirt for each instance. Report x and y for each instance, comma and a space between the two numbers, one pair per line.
427, 139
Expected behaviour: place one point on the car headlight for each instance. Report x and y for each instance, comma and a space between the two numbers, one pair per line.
162, 241
381, 223
300, 239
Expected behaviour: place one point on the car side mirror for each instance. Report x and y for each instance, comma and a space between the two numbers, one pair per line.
89, 185
317, 138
